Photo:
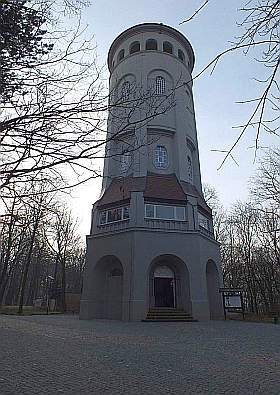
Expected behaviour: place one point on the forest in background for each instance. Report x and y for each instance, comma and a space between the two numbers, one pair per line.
249, 235
41, 253
41, 247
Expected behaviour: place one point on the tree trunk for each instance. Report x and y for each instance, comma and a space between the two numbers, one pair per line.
26, 266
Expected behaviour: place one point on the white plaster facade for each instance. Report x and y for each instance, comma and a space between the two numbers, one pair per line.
151, 212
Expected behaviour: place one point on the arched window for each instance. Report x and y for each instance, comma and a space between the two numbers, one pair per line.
161, 157
134, 47
167, 47
181, 55
160, 85
125, 92
189, 169
151, 45
120, 55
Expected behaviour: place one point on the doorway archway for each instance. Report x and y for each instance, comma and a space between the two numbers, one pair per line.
164, 287
108, 288
169, 285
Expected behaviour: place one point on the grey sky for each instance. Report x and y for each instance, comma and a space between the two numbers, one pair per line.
215, 95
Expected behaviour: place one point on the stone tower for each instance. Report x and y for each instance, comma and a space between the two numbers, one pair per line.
151, 245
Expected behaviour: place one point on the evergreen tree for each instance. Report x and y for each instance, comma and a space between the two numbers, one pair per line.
21, 43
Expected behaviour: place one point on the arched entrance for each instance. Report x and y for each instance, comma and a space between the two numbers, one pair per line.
108, 288
164, 287
169, 283
213, 285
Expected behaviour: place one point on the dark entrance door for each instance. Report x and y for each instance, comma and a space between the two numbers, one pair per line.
164, 292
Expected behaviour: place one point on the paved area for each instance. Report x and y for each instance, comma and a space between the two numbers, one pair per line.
62, 355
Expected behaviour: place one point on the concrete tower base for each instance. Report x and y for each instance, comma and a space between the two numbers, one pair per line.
121, 284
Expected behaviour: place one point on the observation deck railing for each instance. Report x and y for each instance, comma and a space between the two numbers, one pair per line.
161, 224
166, 224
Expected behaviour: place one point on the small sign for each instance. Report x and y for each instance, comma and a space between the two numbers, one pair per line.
232, 300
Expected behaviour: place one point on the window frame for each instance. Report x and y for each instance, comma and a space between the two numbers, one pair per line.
125, 162
157, 155
160, 85
175, 218
167, 47
201, 217
121, 54
123, 218
125, 92
181, 55
190, 169
151, 40
131, 50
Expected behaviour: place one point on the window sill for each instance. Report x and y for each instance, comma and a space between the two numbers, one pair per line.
165, 219
114, 222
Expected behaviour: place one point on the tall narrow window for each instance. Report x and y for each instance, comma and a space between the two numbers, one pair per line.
204, 222
161, 158
151, 45
120, 55
125, 92
160, 85
149, 211
114, 215
167, 47
134, 47
181, 55
125, 162
190, 169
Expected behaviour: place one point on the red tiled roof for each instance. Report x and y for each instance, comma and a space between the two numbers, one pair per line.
154, 186
164, 187
121, 188
190, 189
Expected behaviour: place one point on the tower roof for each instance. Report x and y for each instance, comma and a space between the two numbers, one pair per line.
150, 27
155, 187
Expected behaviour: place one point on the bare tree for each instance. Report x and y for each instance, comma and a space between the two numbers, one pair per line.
218, 211
53, 124
38, 239
38, 207
265, 185
66, 246
259, 36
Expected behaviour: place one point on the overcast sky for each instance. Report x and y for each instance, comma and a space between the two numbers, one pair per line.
215, 95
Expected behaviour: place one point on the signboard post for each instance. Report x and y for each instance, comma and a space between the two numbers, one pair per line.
232, 301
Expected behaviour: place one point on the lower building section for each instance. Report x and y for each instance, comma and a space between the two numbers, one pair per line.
144, 271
